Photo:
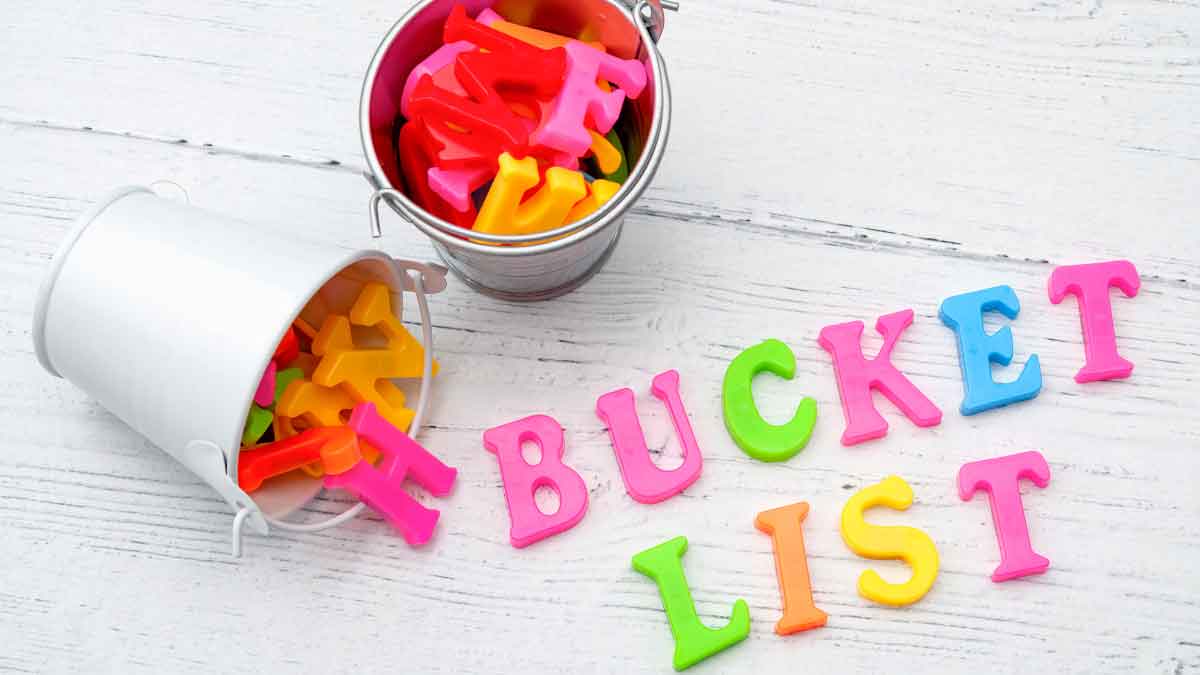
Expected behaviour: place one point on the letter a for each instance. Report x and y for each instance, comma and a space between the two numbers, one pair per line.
857, 376
1090, 284
644, 481
694, 641
1000, 477
521, 479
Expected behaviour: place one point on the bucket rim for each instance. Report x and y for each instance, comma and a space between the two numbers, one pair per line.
610, 214
350, 258
46, 290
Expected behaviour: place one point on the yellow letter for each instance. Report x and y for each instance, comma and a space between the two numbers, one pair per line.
503, 212
884, 543
599, 193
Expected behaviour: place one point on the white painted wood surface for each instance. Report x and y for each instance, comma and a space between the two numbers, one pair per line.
831, 160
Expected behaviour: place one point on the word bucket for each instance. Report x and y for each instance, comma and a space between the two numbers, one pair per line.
542, 265
167, 315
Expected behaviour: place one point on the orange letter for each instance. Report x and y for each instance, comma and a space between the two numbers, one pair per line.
791, 566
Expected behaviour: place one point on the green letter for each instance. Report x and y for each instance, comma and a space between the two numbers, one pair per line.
763, 441
694, 641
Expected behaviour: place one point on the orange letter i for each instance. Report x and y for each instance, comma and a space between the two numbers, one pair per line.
791, 567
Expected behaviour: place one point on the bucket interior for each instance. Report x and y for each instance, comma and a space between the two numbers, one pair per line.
283, 495
420, 33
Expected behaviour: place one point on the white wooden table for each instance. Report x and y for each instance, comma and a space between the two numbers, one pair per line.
830, 160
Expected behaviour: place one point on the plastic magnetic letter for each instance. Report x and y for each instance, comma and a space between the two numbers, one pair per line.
580, 98
503, 59
533, 36
283, 379
264, 396
287, 350
608, 158
443, 57
521, 479
503, 211
977, 350
343, 361
258, 420
275, 459
1090, 284
456, 185
304, 327
491, 127
599, 194
365, 373
417, 157
857, 376
622, 173
791, 567
694, 641
886, 543
1000, 477
402, 456
319, 406
763, 441
346, 469
644, 481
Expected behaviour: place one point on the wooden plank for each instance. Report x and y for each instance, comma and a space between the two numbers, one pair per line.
116, 559
1058, 131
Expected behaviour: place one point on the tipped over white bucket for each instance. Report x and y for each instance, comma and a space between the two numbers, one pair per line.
168, 314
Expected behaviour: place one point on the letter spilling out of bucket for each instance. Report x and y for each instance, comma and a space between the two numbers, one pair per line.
168, 314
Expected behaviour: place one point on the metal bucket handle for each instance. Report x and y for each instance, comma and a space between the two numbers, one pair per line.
650, 19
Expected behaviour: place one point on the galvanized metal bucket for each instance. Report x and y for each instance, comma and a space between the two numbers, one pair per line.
546, 264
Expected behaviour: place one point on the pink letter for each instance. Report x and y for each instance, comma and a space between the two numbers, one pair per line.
580, 98
857, 376
402, 456
442, 58
521, 479
1000, 477
415, 522
644, 481
1090, 284
264, 396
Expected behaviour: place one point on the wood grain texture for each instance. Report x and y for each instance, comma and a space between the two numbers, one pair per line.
830, 160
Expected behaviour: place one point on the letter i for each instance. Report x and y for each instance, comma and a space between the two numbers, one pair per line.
791, 566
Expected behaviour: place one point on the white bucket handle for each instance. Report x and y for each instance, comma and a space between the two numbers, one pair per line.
421, 280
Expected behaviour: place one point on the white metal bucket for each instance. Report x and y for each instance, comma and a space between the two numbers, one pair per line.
168, 314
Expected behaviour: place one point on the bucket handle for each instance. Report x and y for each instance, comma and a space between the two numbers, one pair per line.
208, 462
398, 204
415, 277
651, 14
